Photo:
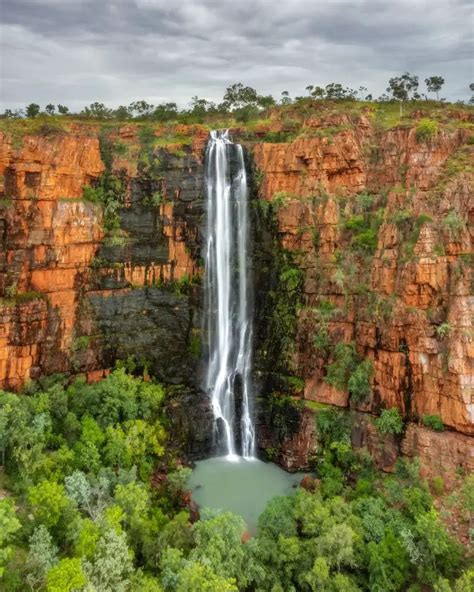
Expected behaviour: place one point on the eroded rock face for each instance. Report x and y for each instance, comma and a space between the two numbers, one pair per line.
76, 299
418, 275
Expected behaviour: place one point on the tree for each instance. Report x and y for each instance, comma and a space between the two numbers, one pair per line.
32, 110
62, 109
112, 563
66, 576
166, 112
50, 109
122, 112
237, 96
97, 111
48, 501
471, 88
402, 88
390, 421
183, 575
285, 98
9, 524
359, 383
434, 84
141, 108
42, 556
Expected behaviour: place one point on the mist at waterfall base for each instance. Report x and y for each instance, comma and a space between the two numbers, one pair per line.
236, 481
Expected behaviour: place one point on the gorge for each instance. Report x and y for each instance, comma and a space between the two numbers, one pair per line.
328, 248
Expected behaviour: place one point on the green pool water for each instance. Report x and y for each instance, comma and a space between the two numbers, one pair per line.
241, 486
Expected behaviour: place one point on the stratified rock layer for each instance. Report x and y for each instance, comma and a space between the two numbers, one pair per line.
76, 298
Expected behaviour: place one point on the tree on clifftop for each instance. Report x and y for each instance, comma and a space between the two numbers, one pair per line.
32, 110
434, 84
403, 88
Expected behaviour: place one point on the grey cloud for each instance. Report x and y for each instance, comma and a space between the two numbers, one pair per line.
114, 51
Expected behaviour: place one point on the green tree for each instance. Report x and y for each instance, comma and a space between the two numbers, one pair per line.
218, 545
359, 382
390, 421
183, 575
66, 576
237, 96
50, 109
62, 109
42, 556
97, 111
434, 84
48, 501
403, 88
141, 108
32, 110
9, 525
111, 567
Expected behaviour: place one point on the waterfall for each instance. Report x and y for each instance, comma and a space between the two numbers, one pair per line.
228, 296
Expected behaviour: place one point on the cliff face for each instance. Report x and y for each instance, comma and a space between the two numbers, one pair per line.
379, 223
77, 296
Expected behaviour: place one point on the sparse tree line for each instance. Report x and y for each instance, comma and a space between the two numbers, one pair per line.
244, 101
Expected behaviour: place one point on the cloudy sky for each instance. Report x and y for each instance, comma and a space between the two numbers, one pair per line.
114, 51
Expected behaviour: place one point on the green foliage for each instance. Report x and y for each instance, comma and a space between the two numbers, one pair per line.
66, 576
443, 330
48, 502
454, 223
177, 480
344, 364
390, 422
426, 129
359, 382
155, 200
9, 525
434, 422
108, 193
42, 556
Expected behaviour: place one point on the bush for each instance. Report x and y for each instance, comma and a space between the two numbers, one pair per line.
426, 129
359, 383
339, 372
434, 422
390, 422
454, 224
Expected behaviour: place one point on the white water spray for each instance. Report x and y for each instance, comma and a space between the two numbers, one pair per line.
227, 289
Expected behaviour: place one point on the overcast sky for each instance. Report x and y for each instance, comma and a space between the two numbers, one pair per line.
75, 52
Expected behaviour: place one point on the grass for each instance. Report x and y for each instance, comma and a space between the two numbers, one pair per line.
22, 298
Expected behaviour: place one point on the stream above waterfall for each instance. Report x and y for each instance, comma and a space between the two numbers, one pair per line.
243, 487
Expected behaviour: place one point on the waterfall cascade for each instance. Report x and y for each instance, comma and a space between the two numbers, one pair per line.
228, 296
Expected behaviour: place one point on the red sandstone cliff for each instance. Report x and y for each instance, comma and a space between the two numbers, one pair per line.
417, 328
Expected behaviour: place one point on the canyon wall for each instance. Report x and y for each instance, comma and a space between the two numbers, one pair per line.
378, 223
381, 224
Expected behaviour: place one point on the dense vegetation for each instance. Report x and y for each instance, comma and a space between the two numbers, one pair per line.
85, 505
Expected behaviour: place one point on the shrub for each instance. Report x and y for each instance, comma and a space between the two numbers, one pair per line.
443, 330
426, 129
434, 422
339, 372
390, 422
359, 382
454, 224
437, 485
